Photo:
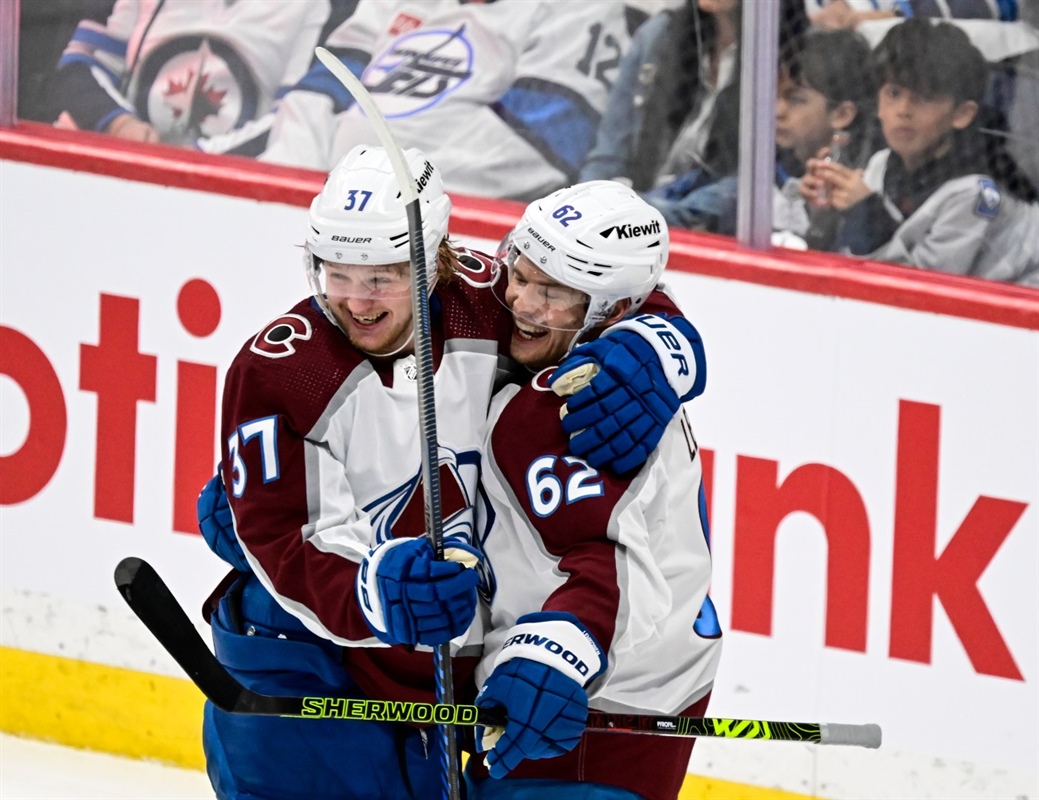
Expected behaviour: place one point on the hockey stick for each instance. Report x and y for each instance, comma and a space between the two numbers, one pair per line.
154, 604
423, 339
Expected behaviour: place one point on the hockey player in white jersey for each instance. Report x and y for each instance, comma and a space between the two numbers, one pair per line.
600, 597
506, 96
178, 70
321, 465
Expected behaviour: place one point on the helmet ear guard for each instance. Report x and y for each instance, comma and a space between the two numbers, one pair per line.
599, 237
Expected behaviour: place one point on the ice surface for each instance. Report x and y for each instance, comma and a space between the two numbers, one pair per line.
32, 770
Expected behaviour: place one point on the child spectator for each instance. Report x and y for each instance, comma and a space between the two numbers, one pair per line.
824, 88
935, 198
825, 92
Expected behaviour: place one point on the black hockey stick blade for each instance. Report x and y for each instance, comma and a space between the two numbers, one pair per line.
153, 603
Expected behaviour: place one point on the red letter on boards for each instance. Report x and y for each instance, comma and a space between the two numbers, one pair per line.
953, 576
761, 505
121, 376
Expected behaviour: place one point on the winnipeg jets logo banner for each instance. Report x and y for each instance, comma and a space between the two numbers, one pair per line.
195, 86
420, 69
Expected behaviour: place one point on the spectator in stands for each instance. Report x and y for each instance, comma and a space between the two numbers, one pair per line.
935, 197
825, 95
177, 70
672, 126
43, 31
1005, 31
824, 88
1023, 107
676, 83
505, 96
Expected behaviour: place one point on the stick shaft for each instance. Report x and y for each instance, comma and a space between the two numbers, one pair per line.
154, 604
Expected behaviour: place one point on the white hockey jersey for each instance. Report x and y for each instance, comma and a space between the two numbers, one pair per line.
505, 96
322, 461
628, 556
193, 67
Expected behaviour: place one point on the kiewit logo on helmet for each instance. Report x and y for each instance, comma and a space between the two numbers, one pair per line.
627, 231
423, 179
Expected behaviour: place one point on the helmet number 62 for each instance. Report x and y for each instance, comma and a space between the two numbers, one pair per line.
566, 214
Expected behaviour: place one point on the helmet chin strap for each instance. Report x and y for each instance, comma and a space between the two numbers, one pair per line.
407, 343
590, 321
577, 337
411, 336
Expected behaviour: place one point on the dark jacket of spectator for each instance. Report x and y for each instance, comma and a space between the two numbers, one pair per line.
659, 87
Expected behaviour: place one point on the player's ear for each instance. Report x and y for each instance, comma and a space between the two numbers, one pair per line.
618, 312
963, 115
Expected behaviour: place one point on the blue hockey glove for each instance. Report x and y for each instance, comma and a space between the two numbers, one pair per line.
539, 679
216, 525
626, 386
408, 597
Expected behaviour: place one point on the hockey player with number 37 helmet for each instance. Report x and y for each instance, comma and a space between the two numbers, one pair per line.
358, 246
339, 594
602, 597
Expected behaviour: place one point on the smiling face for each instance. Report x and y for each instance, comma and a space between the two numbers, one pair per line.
917, 127
372, 304
545, 314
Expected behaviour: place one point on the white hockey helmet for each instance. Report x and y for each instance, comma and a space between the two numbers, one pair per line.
599, 237
360, 218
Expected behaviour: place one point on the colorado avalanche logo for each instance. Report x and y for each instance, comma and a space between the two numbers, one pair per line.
276, 340
194, 87
476, 271
401, 512
420, 69
541, 379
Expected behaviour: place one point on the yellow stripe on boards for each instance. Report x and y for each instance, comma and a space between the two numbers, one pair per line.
140, 715
113, 710
696, 787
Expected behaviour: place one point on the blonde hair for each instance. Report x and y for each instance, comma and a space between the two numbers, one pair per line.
447, 260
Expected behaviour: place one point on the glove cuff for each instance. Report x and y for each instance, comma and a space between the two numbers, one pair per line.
368, 588
557, 640
677, 356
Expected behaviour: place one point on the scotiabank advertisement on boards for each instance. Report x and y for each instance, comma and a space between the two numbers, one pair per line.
873, 478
